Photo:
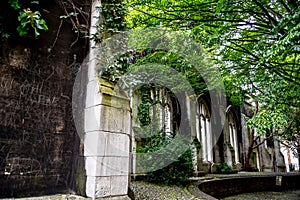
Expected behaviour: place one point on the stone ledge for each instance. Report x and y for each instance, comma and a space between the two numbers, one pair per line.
194, 190
226, 185
115, 198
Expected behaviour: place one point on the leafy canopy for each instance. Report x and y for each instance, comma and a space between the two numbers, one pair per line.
256, 45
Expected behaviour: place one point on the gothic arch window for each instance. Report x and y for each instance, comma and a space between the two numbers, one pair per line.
204, 130
161, 111
233, 139
167, 119
158, 118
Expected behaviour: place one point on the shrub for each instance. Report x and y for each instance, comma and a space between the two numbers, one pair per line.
166, 149
176, 173
223, 168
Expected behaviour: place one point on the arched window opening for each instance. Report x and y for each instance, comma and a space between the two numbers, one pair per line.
204, 131
153, 120
233, 135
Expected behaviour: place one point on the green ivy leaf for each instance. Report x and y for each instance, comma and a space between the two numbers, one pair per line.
15, 4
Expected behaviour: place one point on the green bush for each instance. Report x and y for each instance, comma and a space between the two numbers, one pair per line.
176, 173
223, 168
166, 149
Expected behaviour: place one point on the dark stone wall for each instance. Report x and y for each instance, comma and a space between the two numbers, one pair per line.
235, 185
39, 146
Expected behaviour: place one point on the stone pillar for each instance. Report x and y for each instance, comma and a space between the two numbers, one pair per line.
107, 139
203, 137
235, 143
209, 137
106, 132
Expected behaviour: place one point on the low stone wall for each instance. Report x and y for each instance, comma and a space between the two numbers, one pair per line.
220, 187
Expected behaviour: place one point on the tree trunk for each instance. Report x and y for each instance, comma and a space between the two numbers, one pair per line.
252, 141
250, 150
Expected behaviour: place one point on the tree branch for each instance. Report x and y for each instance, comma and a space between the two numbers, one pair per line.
257, 145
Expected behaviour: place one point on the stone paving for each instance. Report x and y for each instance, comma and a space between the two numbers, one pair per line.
53, 197
144, 190
151, 191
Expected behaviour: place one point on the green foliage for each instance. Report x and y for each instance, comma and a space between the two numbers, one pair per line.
179, 170
24, 16
30, 20
268, 119
166, 68
116, 69
112, 13
291, 167
176, 173
21, 18
3, 34
156, 62
233, 90
255, 43
223, 168
15, 4
165, 157
144, 107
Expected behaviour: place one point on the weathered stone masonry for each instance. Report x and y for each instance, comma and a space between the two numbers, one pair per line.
40, 149
38, 140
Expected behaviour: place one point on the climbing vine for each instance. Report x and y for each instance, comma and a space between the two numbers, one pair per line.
111, 19
144, 107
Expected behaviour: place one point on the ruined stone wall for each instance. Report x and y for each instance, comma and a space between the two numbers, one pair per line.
38, 140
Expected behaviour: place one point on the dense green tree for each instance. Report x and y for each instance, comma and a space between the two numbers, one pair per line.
256, 44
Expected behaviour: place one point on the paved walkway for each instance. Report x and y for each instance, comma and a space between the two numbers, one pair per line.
144, 190
52, 197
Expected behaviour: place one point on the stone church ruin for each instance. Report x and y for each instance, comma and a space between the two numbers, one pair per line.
46, 148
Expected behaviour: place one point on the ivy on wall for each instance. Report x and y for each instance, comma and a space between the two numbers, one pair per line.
111, 19
144, 107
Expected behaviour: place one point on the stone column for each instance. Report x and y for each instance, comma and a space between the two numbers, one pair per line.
209, 137
106, 132
106, 141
